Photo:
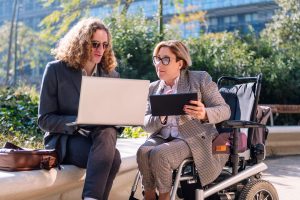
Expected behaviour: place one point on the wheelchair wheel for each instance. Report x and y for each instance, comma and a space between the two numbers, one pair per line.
258, 190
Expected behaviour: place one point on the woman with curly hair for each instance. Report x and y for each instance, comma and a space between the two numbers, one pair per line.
86, 50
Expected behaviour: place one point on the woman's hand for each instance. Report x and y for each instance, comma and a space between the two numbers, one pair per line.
196, 110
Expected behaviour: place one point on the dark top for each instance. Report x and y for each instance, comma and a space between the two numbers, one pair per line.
59, 100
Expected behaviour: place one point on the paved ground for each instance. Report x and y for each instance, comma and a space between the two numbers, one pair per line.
283, 172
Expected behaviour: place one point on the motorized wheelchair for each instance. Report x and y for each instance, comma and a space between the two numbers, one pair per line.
241, 176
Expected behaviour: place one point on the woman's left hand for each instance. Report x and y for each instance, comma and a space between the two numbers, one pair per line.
196, 110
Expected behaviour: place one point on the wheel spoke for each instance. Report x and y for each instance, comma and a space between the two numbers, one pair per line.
267, 197
256, 196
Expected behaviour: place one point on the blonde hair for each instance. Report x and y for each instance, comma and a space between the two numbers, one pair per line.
178, 48
75, 48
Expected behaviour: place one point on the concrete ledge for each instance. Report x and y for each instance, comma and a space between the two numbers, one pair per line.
283, 140
66, 184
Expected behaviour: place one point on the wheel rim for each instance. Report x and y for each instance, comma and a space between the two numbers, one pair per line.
263, 195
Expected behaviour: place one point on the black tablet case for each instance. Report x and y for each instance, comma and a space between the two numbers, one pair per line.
170, 104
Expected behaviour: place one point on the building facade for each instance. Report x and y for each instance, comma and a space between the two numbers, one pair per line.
222, 15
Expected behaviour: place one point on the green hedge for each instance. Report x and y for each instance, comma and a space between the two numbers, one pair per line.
18, 117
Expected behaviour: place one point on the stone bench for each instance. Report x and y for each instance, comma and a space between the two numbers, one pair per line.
283, 140
282, 109
67, 183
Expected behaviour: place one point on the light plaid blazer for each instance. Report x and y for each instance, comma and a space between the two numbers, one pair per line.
198, 135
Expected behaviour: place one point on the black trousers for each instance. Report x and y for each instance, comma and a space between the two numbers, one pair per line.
98, 154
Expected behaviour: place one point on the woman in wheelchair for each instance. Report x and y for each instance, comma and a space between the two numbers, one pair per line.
175, 138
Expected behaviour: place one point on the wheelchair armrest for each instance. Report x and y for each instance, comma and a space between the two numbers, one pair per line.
241, 124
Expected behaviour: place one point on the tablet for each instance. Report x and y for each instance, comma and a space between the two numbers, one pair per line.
170, 104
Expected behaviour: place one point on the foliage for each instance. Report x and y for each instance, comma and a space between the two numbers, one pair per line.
134, 38
275, 53
56, 24
283, 34
133, 132
26, 55
18, 117
219, 54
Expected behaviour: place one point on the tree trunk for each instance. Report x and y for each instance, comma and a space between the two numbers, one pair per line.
10, 42
160, 19
126, 7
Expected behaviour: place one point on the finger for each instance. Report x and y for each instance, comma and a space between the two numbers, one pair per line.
194, 102
193, 113
190, 107
198, 103
198, 114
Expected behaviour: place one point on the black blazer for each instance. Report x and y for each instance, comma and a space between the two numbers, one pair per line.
59, 100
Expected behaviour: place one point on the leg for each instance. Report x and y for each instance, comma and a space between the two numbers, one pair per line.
103, 163
143, 155
112, 174
77, 156
164, 159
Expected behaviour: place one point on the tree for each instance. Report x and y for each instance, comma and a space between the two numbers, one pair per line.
32, 51
56, 24
283, 34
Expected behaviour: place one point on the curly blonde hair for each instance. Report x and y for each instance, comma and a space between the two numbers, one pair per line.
75, 48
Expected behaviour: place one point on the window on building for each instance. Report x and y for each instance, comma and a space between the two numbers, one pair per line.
213, 21
231, 19
248, 18
103, 11
1, 8
148, 7
251, 17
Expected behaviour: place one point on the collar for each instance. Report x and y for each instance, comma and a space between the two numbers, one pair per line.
94, 73
163, 84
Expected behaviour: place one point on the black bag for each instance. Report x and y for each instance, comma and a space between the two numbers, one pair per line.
14, 158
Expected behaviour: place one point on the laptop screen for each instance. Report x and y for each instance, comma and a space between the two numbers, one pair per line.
112, 101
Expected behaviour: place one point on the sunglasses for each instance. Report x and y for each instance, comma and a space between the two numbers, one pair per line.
96, 45
165, 60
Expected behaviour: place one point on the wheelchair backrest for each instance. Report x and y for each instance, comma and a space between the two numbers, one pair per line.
240, 98
242, 95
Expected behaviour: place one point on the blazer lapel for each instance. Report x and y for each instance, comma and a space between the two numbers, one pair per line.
183, 83
76, 79
183, 87
160, 88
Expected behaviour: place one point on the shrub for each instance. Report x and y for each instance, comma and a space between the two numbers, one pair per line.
18, 117
133, 132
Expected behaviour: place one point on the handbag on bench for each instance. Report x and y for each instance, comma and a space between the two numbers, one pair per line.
14, 158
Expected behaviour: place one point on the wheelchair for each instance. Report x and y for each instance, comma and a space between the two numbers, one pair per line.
241, 177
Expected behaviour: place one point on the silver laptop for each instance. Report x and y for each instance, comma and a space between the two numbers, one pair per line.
112, 101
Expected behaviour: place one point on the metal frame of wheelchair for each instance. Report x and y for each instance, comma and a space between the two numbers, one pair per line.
240, 178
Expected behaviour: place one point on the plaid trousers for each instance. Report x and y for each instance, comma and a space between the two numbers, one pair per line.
157, 158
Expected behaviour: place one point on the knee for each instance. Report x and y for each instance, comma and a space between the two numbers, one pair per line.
142, 154
117, 159
158, 157
105, 136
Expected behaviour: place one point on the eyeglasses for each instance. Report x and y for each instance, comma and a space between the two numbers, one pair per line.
165, 60
96, 44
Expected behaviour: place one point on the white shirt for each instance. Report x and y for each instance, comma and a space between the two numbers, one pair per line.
84, 73
171, 127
